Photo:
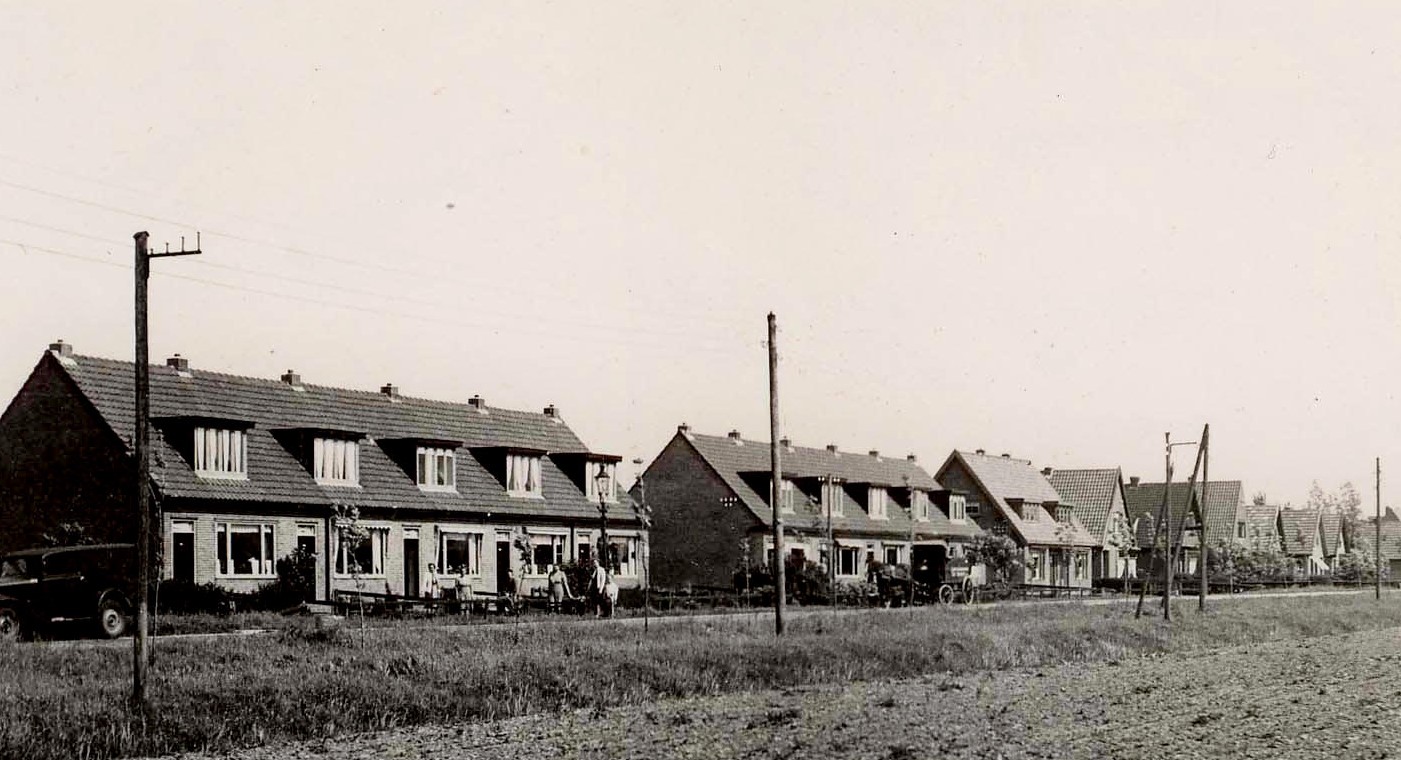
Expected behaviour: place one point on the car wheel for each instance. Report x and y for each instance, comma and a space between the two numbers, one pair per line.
11, 624
111, 618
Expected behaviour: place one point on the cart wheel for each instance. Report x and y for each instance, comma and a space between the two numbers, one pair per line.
970, 593
945, 594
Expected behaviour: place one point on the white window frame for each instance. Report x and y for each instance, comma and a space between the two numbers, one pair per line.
221, 453
1036, 565
1080, 565
1029, 510
898, 551
876, 500
558, 541
377, 536
474, 539
786, 496
523, 476
958, 508
336, 462
224, 566
627, 568
919, 505
433, 474
610, 491
843, 552
833, 498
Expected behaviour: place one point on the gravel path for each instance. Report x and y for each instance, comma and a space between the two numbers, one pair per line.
1329, 697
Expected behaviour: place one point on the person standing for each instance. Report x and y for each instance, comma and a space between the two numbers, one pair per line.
559, 588
598, 583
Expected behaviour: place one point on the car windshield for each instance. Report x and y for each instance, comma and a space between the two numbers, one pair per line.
15, 567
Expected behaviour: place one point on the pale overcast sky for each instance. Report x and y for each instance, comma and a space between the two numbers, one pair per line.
1055, 230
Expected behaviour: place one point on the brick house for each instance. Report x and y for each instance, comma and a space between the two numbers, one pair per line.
1226, 516
1331, 534
1098, 498
1302, 534
1010, 497
247, 470
1262, 526
712, 510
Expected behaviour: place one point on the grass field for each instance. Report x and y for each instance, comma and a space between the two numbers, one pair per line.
67, 701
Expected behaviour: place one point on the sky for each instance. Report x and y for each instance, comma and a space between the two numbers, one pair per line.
1053, 230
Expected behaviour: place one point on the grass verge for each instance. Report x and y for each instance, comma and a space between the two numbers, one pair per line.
302, 683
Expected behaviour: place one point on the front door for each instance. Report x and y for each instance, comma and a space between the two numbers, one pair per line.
503, 563
182, 551
411, 563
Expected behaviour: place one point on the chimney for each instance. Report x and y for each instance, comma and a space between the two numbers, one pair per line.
875, 453
178, 363
832, 447
478, 403
552, 412
1046, 471
63, 350
684, 429
735, 437
911, 458
1133, 481
391, 390
980, 452
292, 378
1005, 455
786, 442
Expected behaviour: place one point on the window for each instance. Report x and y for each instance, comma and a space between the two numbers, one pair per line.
585, 549
220, 453
1082, 563
1240, 530
1036, 565
848, 560
892, 555
362, 557
306, 539
610, 485
523, 475
833, 498
785, 496
958, 508
875, 503
244, 548
624, 552
919, 505
436, 469
335, 461
460, 552
545, 551
1029, 511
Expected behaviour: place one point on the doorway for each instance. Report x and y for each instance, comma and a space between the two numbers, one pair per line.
930, 563
182, 550
503, 564
411, 587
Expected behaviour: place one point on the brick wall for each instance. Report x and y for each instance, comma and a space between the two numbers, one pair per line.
696, 539
60, 463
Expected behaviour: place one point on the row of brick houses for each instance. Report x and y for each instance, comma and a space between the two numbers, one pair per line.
247, 470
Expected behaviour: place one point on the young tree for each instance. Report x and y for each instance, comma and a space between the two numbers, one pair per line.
999, 554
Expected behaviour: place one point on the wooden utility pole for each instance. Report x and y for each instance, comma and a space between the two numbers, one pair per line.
141, 656
831, 547
1206, 484
776, 482
1378, 548
1182, 524
1158, 523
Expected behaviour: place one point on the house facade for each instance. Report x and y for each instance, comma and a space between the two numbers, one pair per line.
1098, 498
246, 471
1010, 497
711, 502
1302, 534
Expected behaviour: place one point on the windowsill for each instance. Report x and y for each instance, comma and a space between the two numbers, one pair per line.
367, 577
338, 484
437, 489
248, 576
525, 495
209, 475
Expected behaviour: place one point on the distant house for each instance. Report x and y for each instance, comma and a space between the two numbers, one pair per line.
711, 501
1226, 516
1098, 499
1262, 527
1302, 531
1010, 497
1334, 542
246, 471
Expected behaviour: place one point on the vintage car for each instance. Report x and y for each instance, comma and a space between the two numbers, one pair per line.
43, 587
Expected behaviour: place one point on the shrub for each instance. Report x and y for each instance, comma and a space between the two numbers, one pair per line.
184, 597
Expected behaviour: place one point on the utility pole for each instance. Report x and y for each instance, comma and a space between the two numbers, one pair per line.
1182, 524
1158, 524
831, 546
910, 561
141, 656
1378, 548
775, 482
1206, 484
645, 517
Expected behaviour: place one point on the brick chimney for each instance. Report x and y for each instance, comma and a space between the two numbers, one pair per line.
1046, 471
178, 363
786, 442
832, 447
684, 429
875, 453
552, 412
478, 403
1133, 481
1005, 455
980, 452
911, 458
63, 350
390, 390
735, 438
292, 378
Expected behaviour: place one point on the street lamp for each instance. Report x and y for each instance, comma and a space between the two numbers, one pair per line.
602, 480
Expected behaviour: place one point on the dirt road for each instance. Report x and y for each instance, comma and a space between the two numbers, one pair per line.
1332, 697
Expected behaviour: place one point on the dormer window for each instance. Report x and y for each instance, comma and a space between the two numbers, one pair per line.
833, 498
786, 496
875, 503
437, 469
220, 453
607, 484
336, 462
919, 505
958, 508
1029, 511
523, 475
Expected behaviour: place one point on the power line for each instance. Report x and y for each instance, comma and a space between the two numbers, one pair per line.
436, 320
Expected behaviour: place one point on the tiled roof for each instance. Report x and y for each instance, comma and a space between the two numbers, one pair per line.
1299, 529
274, 473
1006, 479
730, 459
1332, 533
1262, 524
1222, 506
1092, 493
